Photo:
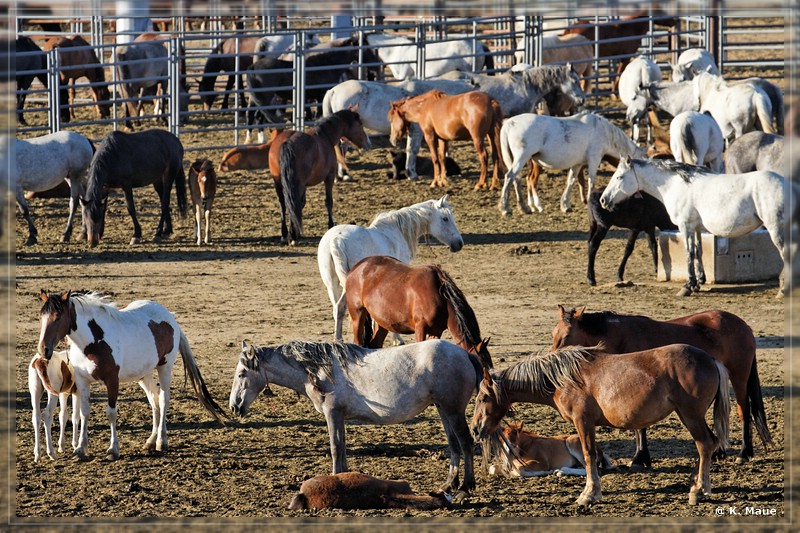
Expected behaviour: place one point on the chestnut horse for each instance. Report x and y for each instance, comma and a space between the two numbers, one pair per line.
472, 115
78, 60
423, 300
591, 388
725, 336
203, 188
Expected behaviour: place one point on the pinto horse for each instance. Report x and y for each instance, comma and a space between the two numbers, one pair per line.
423, 300
725, 336
307, 159
472, 115
591, 388
78, 60
203, 188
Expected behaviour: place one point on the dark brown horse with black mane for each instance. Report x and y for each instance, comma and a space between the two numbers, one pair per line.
725, 336
423, 300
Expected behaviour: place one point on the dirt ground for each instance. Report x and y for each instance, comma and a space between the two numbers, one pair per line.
514, 270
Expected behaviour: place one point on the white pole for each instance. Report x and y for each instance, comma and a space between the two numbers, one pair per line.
134, 19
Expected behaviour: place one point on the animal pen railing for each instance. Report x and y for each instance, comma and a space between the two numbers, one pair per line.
740, 37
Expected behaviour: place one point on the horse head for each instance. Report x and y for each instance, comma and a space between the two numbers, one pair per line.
571, 86
397, 121
248, 381
57, 319
94, 216
642, 97
623, 184
491, 405
567, 330
442, 224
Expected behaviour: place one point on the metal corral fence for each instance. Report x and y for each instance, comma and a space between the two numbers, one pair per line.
740, 44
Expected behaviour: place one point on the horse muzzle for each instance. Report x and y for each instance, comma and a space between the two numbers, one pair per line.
456, 246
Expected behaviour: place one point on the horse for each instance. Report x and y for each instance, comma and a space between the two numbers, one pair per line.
385, 386
77, 59
393, 233
637, 215
203, 189
692, 61
400, 55
726, 205
128, 160
622, 37
756, 150
143, 69
424, 165
354, 490
671, 97
589, 388
558, 143
116, 346
640, 71
42, 163
250, 157
696, 138
735, 107
423, 300
521, 453
307, 159
574, 49
442, 118
56, 378
31, 63
724, 336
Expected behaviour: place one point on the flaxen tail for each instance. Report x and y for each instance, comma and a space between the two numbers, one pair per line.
722, 408
199, 385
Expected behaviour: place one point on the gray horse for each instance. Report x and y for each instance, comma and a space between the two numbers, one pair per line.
756, 150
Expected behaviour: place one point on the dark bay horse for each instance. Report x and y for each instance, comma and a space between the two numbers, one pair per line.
223, 59
442, 118
307, 159
628, 391
725, 337
423, 300
638, 215
79, 60
128, 160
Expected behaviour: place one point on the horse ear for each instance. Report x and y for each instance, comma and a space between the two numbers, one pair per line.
569, 65
579, 312
487, 377
442, 201
244, 345
65, 296
628, 160
561, 312
43, 295
353, 108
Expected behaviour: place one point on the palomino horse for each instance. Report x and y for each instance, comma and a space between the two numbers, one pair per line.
558, 143
423, 300
442, 118
128, 160
725, 337
591, 388
726, 205
354, 490
78, 59
56, 378
307, 159
111, 345
386, 386
515, 452
203, 189
393, 233
696, 138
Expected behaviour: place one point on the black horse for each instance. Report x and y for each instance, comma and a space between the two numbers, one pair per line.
128, 160
637, 215
31, 63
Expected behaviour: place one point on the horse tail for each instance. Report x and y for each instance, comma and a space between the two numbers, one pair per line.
198, 384
488, 59
291, 190
327, 107
465, 320
497, 126
757, 405
778, 112
763, 110
505, 148
180, 190
722, 407
368, 331
299, 502
688, 147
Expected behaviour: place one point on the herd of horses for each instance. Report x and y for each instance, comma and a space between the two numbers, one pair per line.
604, 369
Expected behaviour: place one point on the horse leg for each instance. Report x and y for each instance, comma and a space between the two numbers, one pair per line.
510, 179
592, 492
456, 438
198, 209
164, 382
336, 432
75, 190
483, 155
207, 215
598, 233
137, 229
112, 386
441, 167
150, 388
632, 236
339, 309
36, 390
433, 148
689, 247
706, 443
572, 176
533, 182
329, 197
701, 273
83, 392
23, 205
380, 336
63, 415
641, 458
651, 242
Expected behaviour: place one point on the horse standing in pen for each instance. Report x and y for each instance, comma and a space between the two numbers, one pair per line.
56, 377
77, 59
203, 189
30, 64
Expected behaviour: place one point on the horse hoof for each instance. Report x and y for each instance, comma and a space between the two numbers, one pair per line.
111, 456
136, 240
346, 177
31, 241
741, 460
79, 456
459, 497
685, 291
591, 282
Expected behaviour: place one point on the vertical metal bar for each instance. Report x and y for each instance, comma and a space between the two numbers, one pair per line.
54, 90
597, 63
530, 44
174, 86
114, 87
475, 47
237, 101
299, 93
538, 39
420, 67
719, 42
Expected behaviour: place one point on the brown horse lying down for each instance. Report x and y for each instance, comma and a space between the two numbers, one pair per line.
353, 490
525, 454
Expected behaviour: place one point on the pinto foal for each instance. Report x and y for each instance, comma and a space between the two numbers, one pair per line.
56, 377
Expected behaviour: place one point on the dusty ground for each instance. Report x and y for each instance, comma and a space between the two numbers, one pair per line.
514, 270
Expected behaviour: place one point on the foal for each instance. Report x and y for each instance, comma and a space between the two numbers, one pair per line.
203, 188
55, 376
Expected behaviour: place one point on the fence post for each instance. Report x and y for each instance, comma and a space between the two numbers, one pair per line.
237, 101
299, 96
174, 86
53, 90
539, 24
528, 43
420, 34
475, 47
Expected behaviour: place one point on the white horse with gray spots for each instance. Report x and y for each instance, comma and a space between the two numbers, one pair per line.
116, 346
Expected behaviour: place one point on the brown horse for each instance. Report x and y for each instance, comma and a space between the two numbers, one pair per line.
629, 29
250, 157
423, 300
353, 490
78, 60
725, 337
203, 188
472, 115
628, 391
307, 159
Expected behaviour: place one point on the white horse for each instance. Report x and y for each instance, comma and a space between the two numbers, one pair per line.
726, 205
42, 163
757, 150
691, 62
641, 71
384, 386
735, 107
400, 55
671, 97
393, 233
56, 377
119, 346
696, 138
559, 143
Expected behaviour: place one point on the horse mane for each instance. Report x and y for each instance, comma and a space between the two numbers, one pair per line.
103, 164
547, 372
409, 220
617, 136
465, 317
98, 301
326, 125
319, 356
543, 76
595, 324
686, 171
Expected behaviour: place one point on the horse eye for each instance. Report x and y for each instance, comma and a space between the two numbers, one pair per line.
445, 219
